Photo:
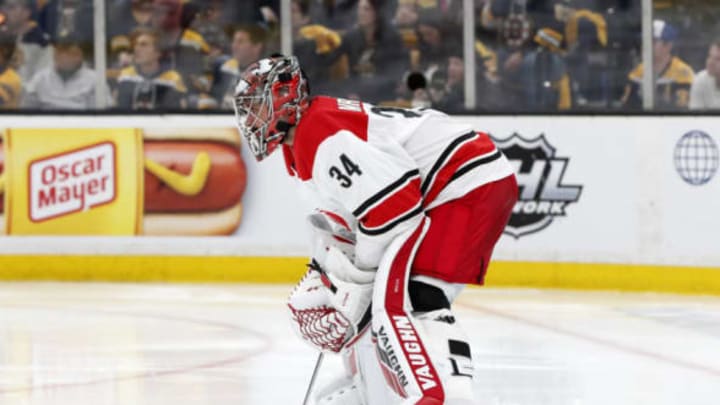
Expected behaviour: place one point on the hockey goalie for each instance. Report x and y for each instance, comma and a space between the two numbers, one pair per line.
413, 204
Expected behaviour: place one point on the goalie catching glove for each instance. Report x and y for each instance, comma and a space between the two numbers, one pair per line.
330, 306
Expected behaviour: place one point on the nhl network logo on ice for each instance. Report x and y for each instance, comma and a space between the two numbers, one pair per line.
539, 174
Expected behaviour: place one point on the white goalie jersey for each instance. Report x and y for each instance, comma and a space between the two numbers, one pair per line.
384, 167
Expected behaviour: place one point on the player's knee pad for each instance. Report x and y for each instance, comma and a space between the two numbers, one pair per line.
425, 297
449, 349
431, 293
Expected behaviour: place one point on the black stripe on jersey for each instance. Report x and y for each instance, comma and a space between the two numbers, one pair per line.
391, 225
387, 191
475, 163
440, 162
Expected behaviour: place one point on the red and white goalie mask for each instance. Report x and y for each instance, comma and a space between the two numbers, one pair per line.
269, 100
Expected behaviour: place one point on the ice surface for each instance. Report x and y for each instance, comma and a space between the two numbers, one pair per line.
96, 344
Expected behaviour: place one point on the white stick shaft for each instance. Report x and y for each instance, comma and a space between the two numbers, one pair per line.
312, 379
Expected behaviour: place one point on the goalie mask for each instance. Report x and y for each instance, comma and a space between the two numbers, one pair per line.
270, 97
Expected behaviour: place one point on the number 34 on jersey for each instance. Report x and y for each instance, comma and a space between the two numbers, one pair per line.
344, 171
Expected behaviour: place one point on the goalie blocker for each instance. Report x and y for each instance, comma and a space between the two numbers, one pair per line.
331, 305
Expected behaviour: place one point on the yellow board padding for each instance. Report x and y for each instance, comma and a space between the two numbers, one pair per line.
597, 276
288, 270
213, 269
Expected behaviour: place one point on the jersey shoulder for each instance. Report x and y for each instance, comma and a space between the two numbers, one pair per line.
193, 39
230, 67
680, 71
324, 118
173, 79
636, 74
129, 74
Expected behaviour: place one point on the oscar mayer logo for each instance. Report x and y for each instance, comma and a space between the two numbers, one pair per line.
71, 182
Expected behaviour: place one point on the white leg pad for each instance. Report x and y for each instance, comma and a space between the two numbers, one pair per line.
448, 346
347, 388
452, 360
343, 391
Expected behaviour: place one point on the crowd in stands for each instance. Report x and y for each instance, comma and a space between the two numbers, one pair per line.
529, 55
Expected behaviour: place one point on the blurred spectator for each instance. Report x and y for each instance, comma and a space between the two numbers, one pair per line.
511, 21
672, 76
125, 17
489, 17
247, 47
122, 19
10, 83
705, 90
313, 44
435, 36
33, 51
405, 20
545, 78
513, 26
183, 49
147, 85
270, 11
248, 12
375, 53
426, 91
68, 84
448, 10
454, 99
487, 58
68, 18
585, 55
337, 15
696, 21
510, 63
208, 24
624, 27
495, 13
438, 77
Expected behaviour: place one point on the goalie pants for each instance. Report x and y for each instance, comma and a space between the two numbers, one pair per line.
421, 353
463, 232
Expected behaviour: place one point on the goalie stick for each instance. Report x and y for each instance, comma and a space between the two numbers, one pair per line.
318, 362
364, 323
